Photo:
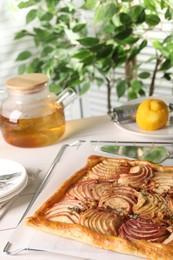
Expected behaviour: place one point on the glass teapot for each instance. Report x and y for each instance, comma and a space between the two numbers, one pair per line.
31, 116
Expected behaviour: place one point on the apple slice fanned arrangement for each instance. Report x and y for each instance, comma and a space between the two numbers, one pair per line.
116, 204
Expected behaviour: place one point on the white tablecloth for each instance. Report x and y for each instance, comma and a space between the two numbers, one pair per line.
40, 159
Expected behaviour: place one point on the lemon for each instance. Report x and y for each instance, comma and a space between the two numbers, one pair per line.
152, 114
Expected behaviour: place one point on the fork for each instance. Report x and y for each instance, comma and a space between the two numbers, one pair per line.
9, 176
6, 180
4, 185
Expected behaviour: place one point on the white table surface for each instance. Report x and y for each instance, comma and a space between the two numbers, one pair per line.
96, 128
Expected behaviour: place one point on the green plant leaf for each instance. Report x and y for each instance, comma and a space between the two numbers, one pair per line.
82, 54
169, 38
167, 76
54, 87
152, 19
24, 55
78, 27
88, 60
52, 4
143, 45
21, 34
166, 65
144, 75
85, 87
46, 17
132, 94
133, 53
121, 88
167, 50
150, 4
27, 4
88, 41
96, 47
44, 35
31, 15
125, 18
119, 55
104, 52
48, 67
136, 50
123, 33
105, 11
142, 92
136, 85
21, 69
68, 9
157, 44
30, 69
130, 40
46, 51
169, 14
137, 14
99, 81
108, 28
106, 65
90, 4
35, 66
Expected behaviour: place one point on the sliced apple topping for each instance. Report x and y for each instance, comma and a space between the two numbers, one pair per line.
100, 188
150, 206
163, 182
142, 228
109, 169
67, 211
138, 176
169, 202
169, 240
83, 190
104, 222
119, 198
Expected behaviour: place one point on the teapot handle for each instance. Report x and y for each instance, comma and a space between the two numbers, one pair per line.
66, 97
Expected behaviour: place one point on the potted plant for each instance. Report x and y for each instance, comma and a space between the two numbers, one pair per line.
84, 44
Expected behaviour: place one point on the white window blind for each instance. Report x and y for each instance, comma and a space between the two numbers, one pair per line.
11, 21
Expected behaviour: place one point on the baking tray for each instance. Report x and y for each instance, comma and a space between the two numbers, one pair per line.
26, 238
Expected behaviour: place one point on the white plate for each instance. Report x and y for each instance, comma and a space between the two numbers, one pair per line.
164, 133
14, 193
7, 167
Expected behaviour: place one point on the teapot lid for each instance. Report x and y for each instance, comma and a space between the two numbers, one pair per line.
27, 81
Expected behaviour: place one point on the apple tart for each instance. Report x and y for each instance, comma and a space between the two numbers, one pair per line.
116, 204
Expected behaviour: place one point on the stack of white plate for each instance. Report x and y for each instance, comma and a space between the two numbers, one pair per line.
11, 185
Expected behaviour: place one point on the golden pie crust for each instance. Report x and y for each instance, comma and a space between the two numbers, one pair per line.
116, 204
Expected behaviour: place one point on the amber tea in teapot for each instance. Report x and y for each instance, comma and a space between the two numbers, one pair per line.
31, 116
34, 132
